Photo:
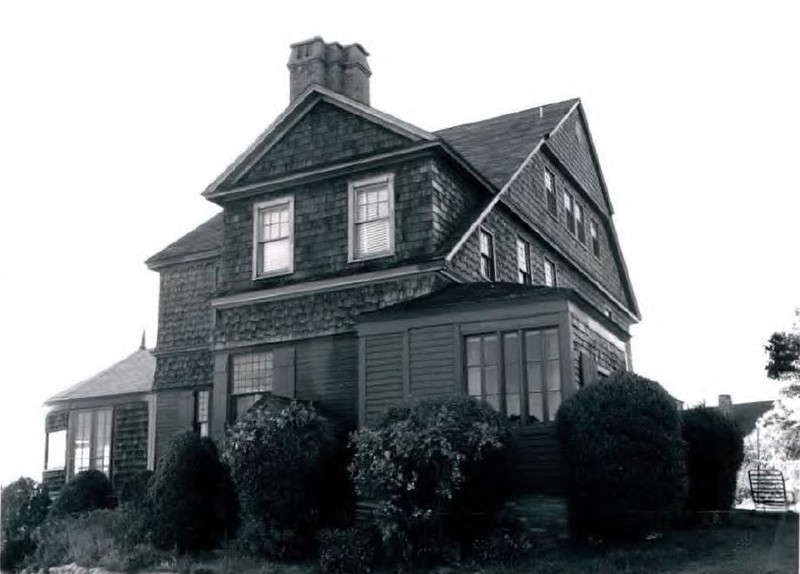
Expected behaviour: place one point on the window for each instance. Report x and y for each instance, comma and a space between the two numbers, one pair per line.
273, 232
201, 402
91, 443
371, 218
580, 223
549, 273
550, 192
595, 237
252, 375
56, 453
517, 372
523, 261
569, 203
487, 255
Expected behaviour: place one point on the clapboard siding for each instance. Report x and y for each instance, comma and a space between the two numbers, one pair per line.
327, 373
383, 373
431, 361
538, 461
175, 414
129, 454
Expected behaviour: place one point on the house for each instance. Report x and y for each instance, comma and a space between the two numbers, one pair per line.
744, 415
105, 422
359, 260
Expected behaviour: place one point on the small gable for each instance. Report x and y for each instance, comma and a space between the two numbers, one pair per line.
325, 135
572, 145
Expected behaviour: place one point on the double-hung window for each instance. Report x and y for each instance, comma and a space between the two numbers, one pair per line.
580, 223
201, 409
550, 192
550, 273
594, 235
486, 241
91, 440
273, 250
523, 262
517, 372
252, 375
569, 210
371, 203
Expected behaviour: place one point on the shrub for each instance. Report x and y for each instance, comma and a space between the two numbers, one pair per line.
24, 507
437, 470
715, 450
88, 490
289, 467
191, 497
134, 490
625, 458
508, 544
348, 550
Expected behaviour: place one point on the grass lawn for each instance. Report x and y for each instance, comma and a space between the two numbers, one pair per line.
740, 543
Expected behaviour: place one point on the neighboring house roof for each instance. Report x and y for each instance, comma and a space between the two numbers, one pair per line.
497, 146
204, 241
133, 374
745, 415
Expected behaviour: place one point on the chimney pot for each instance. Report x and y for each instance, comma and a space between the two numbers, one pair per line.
725, 404
342, 69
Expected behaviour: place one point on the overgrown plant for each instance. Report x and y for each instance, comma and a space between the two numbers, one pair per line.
437, 471
288, 463
24, 504
715, 450
88, 490
625, 458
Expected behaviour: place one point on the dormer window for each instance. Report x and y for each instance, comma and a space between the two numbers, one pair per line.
273, 249
371, 203
487, 255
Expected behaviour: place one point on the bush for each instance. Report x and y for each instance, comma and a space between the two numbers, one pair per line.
88, 490
191, 497
508, 544
134, 490
715, 450
24, 507
289, 466
625, 458
348, 550
437, 470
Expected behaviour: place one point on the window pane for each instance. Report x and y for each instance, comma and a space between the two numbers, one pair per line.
101, 449
553, 375
473, 351
510, 347
534, 372
494, 401
252, 372
512, 405
553, 403
474, 381
533, 346
491, 380
56, 449
244, 402
491, 350
83, 433
372, 237
535, 406
276, 255
551, 344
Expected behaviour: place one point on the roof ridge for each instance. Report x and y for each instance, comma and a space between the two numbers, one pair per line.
571, 101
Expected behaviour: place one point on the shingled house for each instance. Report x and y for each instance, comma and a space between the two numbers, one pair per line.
359, 260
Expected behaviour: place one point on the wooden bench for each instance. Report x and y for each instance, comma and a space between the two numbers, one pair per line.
768, 488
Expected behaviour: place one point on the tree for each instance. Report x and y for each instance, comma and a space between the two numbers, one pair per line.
783, 357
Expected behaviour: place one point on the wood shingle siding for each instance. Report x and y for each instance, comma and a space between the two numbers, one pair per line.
129, 453
327, 373
384, 374
432, 361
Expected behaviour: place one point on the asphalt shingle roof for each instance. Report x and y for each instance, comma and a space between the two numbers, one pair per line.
495, 147
133, 374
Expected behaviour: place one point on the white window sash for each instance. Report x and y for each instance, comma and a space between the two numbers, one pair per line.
273, 237
371, 219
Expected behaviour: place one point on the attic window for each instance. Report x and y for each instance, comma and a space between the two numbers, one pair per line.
487, 255
580, 223
273, 231
523, 262
550, 192
595, 237
371, 218
550, 273
569, 209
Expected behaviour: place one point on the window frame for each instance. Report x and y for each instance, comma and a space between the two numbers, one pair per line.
49, 450
352, 192
594, 235
202, 426
569, 211
72, 459
258, 226
233, 414
549, 263
482, 257
550, 195
526, 253
580, 222
522, 364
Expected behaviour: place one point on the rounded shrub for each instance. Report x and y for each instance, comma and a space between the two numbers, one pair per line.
351, 550
191, 497
625, 458
24, 505
88, 490
289, 466
437, 472
715, 450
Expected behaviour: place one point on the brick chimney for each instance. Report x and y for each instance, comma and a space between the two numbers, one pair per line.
343, 69
725, 404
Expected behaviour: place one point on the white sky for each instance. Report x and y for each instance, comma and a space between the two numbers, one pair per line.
114, 116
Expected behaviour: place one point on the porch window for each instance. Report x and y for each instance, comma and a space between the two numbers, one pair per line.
517, 372
523, 262
91, 441
252, 375
56, 452
487, 255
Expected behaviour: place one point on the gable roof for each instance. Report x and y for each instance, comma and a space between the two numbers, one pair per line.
203, 241
497, 146
133, 374
745, 415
